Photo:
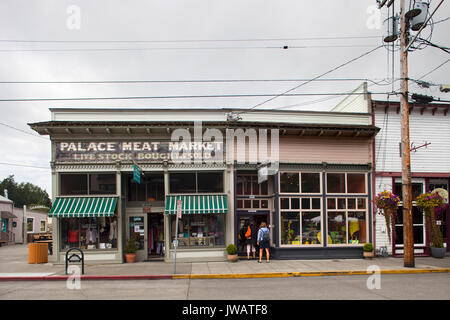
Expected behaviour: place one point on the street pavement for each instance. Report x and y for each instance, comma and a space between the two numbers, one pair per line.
14, 265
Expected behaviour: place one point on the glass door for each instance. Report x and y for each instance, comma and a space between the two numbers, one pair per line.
137, 228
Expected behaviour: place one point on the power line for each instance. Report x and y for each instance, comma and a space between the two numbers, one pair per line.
183, 97
188, 40
426, 74
181, 48
23, 165
374, 81
441, 20
319, 76
23, 131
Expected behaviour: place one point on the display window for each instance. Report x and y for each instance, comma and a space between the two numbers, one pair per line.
199, 230
89, 233
301, 221
347, 220
196, 182
87, 183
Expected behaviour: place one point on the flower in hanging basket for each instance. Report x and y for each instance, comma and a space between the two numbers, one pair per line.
388, 202
428, 202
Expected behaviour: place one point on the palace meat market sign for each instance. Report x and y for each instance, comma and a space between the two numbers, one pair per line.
139, 151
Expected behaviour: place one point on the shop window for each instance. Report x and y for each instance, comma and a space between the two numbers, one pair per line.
310, 182
5, 225
316, 203
289, 182
356, 183
74, 184
199, 230
248, 185
335, 182
295, 203
137, 231
290, 227
102, 184
30, 225
210, 182
89, 233
331, 203
285, 203
311, 222
341, 203
183, 182
357, 227
196, 182
155, 187
306, 203
43, 226
337, 228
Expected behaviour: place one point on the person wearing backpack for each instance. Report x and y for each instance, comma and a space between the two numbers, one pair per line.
263, 241
249, 241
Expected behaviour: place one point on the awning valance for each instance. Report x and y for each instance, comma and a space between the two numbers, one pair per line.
83, 207
197, 204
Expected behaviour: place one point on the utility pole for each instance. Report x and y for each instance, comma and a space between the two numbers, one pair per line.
408, 239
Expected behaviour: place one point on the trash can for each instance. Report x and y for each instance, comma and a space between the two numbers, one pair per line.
37, 253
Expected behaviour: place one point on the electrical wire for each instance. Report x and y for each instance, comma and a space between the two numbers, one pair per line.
426, 74
182, 48
445, 49
319, 76
374, 81
182, 97
188, 40
23, 165
23, 131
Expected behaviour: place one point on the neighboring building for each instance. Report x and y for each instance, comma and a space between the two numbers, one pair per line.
36, 222
323, 186
7, 216
430, 166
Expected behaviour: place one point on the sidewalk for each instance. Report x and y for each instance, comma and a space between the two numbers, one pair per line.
14, 266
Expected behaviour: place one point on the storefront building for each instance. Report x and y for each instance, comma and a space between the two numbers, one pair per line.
430, 168
322, 185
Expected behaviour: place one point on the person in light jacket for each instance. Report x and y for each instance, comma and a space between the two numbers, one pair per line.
263, 241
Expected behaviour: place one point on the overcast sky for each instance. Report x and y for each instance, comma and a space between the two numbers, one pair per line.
163, 32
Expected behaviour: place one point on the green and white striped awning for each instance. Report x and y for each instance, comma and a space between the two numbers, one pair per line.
83, 207
197, 204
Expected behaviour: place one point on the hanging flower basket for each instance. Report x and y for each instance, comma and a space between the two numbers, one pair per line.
388, 202
428, 202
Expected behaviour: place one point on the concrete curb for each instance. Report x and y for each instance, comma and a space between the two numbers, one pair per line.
226, 276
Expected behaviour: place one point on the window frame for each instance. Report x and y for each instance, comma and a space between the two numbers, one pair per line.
346, 183
32, 224
300, 210
45, 226
88, 174
300, 183
346, 211
222, 172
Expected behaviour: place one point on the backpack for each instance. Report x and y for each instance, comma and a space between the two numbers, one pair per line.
248, 234
266, 235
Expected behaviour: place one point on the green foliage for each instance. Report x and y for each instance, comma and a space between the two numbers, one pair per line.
131, 246
24, 193
231, 249
429, 201
368, 247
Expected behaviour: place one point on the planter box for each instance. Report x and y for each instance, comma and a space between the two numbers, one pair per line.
438, 252
368, 254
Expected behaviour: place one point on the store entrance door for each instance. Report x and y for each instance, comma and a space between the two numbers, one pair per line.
155, 236
244, 217
137, 229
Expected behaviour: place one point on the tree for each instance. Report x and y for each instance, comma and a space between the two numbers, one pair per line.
25, 193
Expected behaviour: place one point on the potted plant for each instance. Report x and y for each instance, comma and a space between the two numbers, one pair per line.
130, 251
232, 253
388, 202
368, 250
428, 202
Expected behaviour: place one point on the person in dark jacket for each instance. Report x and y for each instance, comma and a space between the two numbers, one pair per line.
242, 240
254, 237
